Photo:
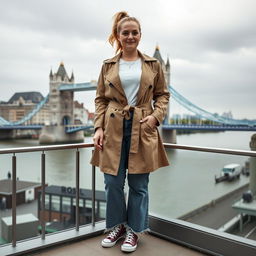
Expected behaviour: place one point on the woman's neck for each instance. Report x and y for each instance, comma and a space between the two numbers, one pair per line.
130, 56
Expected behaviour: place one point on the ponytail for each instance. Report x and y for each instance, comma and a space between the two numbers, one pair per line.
119, 18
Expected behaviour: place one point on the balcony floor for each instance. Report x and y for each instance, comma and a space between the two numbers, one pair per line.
148, 245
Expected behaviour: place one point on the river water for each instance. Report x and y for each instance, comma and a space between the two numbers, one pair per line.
186, 184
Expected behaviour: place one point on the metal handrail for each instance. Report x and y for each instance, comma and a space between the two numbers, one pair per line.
167, 145
212, 150
45, 148
76, 146
42, 149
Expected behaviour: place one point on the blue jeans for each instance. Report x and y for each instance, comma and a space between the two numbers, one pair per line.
135, 215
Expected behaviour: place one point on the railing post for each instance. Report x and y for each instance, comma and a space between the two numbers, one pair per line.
93, 195
77, 189
14, 200
42, 215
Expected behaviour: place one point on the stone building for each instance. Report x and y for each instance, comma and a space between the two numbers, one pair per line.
21, 104
81, 114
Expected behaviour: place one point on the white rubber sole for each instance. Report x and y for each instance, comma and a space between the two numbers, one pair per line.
108, 245
128, 248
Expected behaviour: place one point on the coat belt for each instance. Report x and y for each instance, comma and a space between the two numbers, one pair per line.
136, 125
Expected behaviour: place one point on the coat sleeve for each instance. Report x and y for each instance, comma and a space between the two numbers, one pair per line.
101, 102
161, 96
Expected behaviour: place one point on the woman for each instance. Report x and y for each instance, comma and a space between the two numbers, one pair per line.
126, 134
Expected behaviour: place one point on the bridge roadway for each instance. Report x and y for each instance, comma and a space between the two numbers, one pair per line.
21, 127
71, 129
75, 128
209, 127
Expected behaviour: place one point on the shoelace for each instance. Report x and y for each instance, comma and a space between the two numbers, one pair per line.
129, 237
115, 231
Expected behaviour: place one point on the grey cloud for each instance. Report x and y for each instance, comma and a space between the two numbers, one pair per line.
227, 40
64, 18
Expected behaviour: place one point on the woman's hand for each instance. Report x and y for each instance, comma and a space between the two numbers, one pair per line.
98, 138
151, 120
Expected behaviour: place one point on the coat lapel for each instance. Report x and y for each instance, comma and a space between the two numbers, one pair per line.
147, 79
112, 75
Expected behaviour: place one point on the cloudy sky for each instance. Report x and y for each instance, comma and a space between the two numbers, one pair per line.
211, 45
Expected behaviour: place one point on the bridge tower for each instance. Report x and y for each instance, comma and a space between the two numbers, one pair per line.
170, 135
61, 104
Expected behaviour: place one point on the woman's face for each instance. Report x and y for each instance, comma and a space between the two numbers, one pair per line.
129, 35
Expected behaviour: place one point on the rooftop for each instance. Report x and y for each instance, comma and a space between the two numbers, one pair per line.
71, 192
6, 186
78, 105
62, 71
34, 97
157, 55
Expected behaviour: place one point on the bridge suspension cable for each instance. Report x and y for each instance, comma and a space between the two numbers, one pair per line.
205, 114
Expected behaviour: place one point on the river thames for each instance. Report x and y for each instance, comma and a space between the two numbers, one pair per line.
185, 185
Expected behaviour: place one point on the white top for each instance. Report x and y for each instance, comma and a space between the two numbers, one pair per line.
130, 74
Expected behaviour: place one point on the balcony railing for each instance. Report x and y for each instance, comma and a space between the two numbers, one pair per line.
192, 235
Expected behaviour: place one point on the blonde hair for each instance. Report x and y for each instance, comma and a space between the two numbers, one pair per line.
119, 18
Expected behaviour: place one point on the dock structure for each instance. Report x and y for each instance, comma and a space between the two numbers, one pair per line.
253, 166
248, 207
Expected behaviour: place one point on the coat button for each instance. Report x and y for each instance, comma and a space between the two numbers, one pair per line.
112, 115
111, 85
150, 87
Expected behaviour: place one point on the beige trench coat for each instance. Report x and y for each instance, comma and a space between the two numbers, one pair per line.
146, 151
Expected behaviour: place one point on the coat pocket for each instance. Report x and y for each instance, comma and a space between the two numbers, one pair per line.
147, 130
113, 123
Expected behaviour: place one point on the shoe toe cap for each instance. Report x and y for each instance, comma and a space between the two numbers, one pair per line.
106, 240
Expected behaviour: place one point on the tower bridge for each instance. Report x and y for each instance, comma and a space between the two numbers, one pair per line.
60, 102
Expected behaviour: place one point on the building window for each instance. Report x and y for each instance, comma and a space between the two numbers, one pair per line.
20, 114
88, 203
66, 204
102, 212
81, 202
56, 203
47, 202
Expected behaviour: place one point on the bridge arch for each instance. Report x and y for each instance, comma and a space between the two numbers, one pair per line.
66, 120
